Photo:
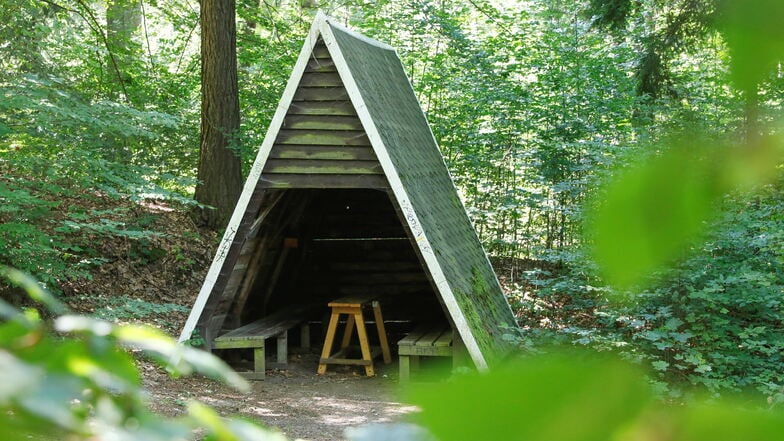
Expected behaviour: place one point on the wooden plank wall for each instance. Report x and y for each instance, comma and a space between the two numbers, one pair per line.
322, 143
354, 243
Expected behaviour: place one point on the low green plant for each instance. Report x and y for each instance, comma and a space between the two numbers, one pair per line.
74, 378
114, 308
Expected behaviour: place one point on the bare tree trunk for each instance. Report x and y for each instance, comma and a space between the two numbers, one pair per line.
220, 168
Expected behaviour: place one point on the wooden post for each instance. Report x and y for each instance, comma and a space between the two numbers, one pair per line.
258, 362
405, 369
283, 341
304, 335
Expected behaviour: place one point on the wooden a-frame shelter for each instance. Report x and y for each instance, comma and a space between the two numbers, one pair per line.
349, 194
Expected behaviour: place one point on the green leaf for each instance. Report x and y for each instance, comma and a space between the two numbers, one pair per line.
660, 365
650, 212
207, 417
564, 398
723, 421
33, 289
755, 36
180, 358
16, 377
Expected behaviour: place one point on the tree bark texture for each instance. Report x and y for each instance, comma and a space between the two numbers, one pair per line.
220, 171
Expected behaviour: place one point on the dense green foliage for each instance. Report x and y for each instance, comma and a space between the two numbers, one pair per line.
86, 385
534, 104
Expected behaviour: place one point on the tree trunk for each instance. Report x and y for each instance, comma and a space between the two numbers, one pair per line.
220, 171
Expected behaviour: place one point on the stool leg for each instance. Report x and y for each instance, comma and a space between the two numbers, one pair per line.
382, 333
325, 352
348, 332
364, 344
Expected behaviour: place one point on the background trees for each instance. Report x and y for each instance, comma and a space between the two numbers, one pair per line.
534, 104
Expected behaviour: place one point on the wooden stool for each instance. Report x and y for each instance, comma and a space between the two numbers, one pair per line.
352, 307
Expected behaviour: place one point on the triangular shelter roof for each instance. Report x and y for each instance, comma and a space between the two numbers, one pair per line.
418, 181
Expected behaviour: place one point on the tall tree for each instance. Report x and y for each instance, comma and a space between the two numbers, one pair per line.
220, 171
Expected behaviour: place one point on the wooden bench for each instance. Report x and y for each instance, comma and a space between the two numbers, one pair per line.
255, 333
429, 340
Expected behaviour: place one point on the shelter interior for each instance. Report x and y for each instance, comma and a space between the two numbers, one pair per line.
315, 245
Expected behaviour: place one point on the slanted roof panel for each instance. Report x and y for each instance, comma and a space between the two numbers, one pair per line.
395, 111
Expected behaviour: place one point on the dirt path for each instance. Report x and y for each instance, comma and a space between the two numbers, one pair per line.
296, 401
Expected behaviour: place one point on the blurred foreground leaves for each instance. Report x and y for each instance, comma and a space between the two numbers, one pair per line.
651, 212
77, 380
579, 397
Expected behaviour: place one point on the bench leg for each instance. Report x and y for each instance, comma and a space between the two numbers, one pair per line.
405, 369
258, 362
304, 336
283, 342
364, 344
415, 362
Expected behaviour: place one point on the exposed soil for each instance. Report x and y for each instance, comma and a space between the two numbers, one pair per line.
296, 401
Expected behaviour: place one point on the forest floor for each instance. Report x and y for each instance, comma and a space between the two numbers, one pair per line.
297, 402
154, 281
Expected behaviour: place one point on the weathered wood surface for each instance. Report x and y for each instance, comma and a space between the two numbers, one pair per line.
323, 137
427, 340
321, 65
322, 181
266, 327
322, 122
352, 301
320, 79
320, 50
322, 108
323, 167
338, 153
321, 94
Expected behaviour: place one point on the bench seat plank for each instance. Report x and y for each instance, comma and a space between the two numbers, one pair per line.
426, 340
445, 339
411, 338
430, 337
253, 335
